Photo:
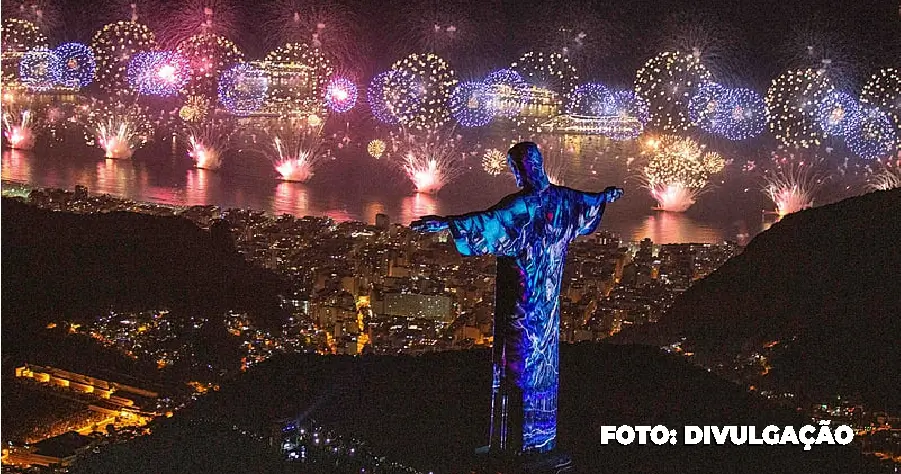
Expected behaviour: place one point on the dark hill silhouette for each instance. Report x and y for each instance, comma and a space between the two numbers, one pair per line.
825, 284
431, 412
59, 265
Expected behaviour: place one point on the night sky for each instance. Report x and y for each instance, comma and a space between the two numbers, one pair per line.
749, 42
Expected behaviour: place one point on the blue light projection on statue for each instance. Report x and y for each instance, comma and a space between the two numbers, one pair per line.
529, 232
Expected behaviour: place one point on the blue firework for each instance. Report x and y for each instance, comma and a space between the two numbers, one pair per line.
160, 73
743, 115
470, 104
393, 96
39, 69
871, 134
591, 99
243, 88
705, 106
836, 111
77, 65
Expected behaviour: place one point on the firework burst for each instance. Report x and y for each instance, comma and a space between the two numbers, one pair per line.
77, 65
667, 82
429, 80
119, 129
744, 115
712, 42
21, 35
429, 159
341, 95
889, 177
113, 47
296, 149
590, 99
304, 75
39, 69
470, 104
791, 186
18, 128
494, 162
871, 134
243, 89
195, 109
792, 100
159, 73
327, 26
678, 172
199, 17
836, 112
883, 90
376, 148
207, 144
208, 55
42, 13
816, 44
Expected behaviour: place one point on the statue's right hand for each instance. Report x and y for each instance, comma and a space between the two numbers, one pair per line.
612, 193
430, 224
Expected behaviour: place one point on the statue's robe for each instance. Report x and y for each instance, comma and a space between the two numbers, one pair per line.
529, 232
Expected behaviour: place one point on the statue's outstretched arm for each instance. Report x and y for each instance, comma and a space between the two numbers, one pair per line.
430, 224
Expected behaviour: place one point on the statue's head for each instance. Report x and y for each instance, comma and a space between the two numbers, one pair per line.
527, 165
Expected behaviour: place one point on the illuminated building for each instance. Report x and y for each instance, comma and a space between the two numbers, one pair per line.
529, 101
608, 125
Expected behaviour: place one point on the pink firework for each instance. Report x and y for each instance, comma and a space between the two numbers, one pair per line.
430, 160
674, 197
207, 144
297, 150
18, 129
791, 186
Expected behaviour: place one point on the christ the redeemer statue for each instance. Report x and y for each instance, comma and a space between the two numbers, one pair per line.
529, 232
